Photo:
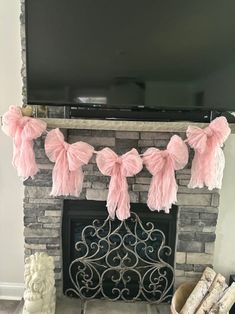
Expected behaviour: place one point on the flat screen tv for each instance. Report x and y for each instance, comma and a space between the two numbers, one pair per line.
131, 58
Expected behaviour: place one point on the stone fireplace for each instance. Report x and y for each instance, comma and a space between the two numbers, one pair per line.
197, 209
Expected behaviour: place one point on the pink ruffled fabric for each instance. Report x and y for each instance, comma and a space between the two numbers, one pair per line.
23, 130
208, 162
118, 168
67, 173
162, 165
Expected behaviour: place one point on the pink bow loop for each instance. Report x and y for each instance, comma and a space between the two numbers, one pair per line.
155, 160
208, 161
162, 165
221, 129
106, 161
23, 130
215, 134
69, 158
118, 167
54, 144
131, 163
178, 151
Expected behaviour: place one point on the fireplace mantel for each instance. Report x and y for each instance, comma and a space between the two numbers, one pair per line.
117, 125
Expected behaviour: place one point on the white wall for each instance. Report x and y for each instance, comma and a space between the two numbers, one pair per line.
224, 258
11, 188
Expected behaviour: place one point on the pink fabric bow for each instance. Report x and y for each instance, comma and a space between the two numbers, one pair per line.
208, 162
162, 165
23, 130
118, 168
67, 173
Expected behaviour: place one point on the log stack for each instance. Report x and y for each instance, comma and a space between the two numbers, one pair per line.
211, 295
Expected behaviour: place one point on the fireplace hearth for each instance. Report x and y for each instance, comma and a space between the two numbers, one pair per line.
113, 260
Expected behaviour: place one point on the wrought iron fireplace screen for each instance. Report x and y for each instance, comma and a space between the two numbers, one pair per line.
116, 260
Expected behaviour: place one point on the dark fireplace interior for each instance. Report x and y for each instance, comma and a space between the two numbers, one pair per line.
109, 259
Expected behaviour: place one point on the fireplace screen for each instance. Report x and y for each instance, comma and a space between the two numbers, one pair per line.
109, 259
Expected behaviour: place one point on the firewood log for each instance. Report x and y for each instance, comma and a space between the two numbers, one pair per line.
199, 292
226, 301
215, 292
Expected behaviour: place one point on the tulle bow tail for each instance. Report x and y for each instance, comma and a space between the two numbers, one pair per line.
118, 168
67, 173
23, 130
208, 162
118, 200
162, 165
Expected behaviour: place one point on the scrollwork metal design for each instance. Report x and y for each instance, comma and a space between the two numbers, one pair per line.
122, 260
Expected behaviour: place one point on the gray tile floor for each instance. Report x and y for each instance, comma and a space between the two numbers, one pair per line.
8, 307
73, 306
100, 307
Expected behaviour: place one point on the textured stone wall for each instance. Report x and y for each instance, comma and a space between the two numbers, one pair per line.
197, 214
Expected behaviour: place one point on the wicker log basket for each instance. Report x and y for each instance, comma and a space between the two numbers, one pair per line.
180, 296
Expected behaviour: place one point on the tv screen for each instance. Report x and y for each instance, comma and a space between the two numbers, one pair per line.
131, 53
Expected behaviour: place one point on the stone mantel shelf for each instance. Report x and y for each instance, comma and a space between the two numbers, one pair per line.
118, 125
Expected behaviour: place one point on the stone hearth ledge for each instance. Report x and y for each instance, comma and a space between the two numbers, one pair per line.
118, 125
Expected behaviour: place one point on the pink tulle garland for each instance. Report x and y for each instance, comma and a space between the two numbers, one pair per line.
23, 130
67, 173
207, 165
208, 162
162, 165
118, 168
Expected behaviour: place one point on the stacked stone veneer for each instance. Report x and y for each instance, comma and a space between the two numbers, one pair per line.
197, 208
